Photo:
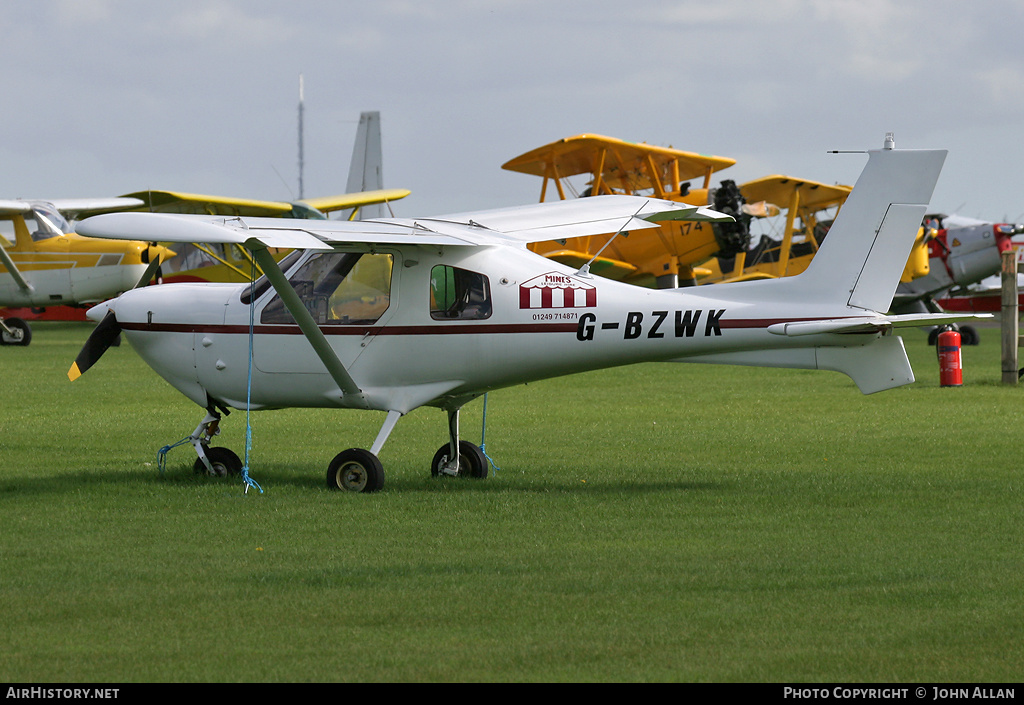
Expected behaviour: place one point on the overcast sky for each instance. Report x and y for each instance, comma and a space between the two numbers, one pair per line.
105, 97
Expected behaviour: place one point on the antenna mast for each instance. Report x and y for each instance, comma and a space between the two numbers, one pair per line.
301, 160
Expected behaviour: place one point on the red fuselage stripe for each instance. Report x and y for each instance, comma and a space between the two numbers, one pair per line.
449, 329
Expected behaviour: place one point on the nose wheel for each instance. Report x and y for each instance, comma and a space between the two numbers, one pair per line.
471, 461
223, 462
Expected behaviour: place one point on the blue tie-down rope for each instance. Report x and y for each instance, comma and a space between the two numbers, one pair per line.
161, 455
249, 482
483, 434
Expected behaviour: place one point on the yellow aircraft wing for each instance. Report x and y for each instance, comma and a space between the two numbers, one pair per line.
617, 166
780, 190
329, 204
202, 204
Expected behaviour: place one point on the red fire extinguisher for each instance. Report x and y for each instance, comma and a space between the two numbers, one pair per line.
951, 372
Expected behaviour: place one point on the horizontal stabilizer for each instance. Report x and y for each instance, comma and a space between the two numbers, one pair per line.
870, 324
875, 367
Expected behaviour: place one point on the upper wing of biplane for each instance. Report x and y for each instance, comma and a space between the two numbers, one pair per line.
784, 191
510, 226
617, 166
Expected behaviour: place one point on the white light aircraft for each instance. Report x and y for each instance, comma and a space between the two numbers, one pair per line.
393, 314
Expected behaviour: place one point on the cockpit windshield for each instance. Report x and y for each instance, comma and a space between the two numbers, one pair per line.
338, 288
44, 222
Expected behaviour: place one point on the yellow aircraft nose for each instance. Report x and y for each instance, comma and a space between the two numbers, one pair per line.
160, 252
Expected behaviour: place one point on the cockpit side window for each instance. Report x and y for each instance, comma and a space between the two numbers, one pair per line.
8, 233
339, 288
458, 294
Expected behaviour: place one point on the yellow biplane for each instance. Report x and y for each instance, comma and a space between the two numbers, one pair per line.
612, 166
806, 209
791, 215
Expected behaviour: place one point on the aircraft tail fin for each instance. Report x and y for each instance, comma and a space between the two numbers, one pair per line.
366, 170
855, 273
867, 247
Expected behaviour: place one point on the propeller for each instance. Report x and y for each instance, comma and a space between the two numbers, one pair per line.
101, 338
152, 268
108, 331
154, 255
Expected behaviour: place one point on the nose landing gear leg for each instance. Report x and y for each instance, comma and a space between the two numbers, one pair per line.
458, 458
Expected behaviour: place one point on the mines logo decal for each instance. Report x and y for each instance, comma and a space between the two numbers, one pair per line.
554, 290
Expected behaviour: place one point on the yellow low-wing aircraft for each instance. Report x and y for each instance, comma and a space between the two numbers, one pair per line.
617, 167
689, 253
44, 263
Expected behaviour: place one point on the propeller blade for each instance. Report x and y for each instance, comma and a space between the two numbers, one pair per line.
151, 269
101, 338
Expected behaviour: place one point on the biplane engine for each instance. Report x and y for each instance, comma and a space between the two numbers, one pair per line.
732, 237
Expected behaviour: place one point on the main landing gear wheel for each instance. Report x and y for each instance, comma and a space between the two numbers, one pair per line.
472, 461
355, 470
20, 333
224, 461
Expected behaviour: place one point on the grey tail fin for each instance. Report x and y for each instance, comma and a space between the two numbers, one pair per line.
867, 247
366, 170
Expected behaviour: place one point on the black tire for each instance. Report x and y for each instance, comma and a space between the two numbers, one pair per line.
22, 333
969, 335
355, 470
224, 461
472, 461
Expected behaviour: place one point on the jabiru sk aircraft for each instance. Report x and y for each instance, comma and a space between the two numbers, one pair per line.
394, 314
43, 262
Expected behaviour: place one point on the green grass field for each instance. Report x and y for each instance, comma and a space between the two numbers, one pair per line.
653, 523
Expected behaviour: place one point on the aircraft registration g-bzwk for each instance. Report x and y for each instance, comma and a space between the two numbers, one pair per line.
393, 314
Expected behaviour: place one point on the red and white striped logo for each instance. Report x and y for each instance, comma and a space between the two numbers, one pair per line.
554, 290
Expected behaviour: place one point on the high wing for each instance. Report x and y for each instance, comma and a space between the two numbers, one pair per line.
511, 226
72, 208
10, 206
330, 204
201, 204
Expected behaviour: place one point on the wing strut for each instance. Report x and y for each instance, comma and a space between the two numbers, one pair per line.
306, 323
13, 271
